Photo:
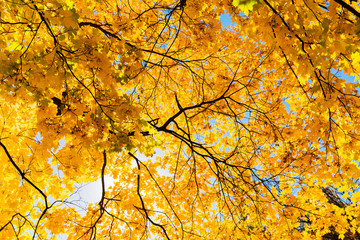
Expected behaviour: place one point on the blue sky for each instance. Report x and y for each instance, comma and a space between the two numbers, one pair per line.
226, 20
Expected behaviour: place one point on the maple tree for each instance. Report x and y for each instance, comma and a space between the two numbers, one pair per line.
257, 125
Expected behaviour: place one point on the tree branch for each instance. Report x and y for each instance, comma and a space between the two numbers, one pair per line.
348, 7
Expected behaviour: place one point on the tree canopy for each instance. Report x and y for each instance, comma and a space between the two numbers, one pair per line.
256, 126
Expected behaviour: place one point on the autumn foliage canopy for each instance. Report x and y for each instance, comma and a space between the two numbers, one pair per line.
206, 132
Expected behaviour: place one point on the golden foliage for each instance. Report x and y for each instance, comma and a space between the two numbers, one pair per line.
257, 124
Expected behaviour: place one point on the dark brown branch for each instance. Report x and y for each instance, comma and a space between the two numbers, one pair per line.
144, 133
286, 24
142, 200
348, 7
9, 222
110, 34
333, 198
47, 25
92, 229
22, 174
182, 110
101, 203
63, 58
